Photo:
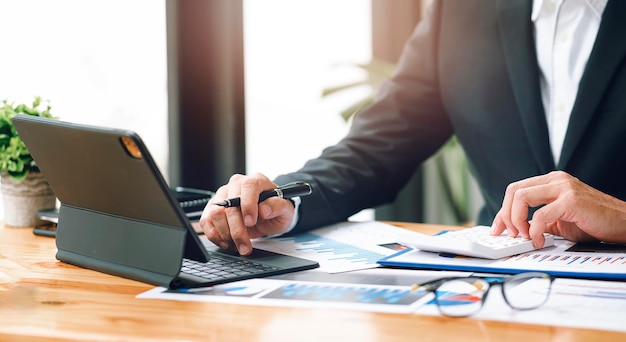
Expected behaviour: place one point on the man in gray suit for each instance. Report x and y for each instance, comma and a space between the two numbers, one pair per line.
534, 90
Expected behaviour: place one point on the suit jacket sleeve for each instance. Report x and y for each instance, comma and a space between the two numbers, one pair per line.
386, 143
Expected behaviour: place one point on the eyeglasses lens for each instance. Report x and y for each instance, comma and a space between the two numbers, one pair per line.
461, 297
527, 290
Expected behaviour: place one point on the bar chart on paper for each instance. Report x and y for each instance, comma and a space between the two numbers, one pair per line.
339, 248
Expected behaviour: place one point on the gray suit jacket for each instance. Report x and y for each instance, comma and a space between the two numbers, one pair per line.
470, 69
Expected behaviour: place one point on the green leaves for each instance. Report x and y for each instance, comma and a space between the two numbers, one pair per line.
377, 72
15, 159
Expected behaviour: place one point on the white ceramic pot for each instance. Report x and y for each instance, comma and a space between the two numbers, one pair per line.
22, 199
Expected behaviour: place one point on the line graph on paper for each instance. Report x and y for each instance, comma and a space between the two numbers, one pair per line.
339, 248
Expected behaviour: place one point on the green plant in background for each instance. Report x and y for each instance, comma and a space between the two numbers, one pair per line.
452, 194
377, 71
15, 159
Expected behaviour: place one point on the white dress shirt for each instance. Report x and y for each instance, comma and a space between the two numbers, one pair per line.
565, 31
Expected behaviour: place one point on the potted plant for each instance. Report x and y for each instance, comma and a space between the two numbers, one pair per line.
24, 189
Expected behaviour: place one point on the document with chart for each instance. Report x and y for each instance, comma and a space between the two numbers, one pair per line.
375, 290
559, 260
342, 247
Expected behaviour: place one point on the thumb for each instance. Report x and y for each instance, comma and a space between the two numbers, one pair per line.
275, 216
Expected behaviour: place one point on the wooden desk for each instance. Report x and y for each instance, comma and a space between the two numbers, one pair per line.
44, 299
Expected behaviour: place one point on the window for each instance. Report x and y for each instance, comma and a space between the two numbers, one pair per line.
98, 62
293, 50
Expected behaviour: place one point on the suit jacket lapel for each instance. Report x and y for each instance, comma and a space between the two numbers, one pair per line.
516, 32
609, 50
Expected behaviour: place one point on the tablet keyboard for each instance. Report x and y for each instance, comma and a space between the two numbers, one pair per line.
478, 242
223, 268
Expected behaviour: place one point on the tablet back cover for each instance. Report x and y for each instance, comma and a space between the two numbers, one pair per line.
117, 215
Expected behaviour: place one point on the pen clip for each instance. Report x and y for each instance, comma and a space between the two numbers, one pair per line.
292, 185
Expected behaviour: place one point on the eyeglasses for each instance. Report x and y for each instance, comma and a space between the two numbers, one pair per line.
461, 297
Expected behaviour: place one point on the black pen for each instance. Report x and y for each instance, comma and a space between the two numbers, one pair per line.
290, 190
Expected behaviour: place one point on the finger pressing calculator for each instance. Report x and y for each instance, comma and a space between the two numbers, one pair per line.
478, 242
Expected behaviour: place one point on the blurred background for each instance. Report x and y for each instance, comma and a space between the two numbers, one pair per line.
221, 86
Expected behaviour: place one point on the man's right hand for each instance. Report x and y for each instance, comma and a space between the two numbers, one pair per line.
234, 227
568, 208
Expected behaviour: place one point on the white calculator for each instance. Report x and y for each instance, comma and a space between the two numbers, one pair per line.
478, 242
